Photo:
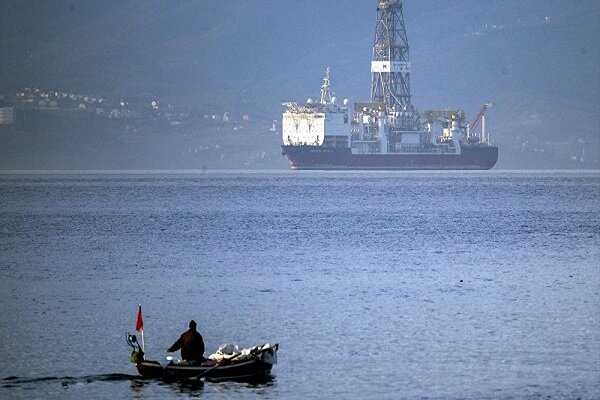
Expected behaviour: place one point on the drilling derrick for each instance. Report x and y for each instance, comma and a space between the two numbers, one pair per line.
390, 67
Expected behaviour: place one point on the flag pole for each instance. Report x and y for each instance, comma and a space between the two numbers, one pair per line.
139, 326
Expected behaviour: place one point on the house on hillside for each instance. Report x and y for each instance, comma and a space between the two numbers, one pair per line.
7, 113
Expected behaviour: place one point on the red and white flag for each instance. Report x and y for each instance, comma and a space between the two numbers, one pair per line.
139, 325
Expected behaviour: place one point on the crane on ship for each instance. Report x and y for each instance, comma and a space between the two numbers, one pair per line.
480, 119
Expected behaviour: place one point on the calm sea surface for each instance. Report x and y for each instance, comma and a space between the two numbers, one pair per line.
375, 285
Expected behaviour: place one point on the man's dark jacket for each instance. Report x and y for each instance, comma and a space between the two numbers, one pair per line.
191, 345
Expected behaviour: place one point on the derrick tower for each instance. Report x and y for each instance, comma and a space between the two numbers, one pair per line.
390, 67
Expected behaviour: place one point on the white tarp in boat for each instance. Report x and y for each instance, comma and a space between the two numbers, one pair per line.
265, 353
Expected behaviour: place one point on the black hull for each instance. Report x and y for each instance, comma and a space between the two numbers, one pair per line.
249, 364
321, 158
243, 370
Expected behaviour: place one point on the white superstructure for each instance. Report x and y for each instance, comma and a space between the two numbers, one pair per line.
317, 123
369, 129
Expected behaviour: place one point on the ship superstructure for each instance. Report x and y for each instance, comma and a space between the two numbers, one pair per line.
322, 123
386, 132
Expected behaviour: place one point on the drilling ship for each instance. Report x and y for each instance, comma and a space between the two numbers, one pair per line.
387, 132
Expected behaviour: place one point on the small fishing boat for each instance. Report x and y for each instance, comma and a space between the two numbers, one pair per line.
247, 364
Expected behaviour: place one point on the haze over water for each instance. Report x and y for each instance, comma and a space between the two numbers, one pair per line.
375, 285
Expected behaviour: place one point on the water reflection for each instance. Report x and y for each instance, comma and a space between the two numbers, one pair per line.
258, 386
195, 388
190, 388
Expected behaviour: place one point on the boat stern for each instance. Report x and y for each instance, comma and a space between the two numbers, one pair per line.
151, 369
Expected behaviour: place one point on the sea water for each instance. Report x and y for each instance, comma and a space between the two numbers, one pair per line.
458, 285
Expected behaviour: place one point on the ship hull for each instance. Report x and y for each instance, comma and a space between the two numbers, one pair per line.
321, 158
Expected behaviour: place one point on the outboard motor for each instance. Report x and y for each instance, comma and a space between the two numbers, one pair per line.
137, 355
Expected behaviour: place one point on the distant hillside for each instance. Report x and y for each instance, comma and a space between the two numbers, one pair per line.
60, 140
537, 60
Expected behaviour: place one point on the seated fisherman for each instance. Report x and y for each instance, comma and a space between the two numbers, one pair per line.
191, 345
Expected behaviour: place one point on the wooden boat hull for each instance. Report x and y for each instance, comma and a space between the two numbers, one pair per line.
256, 363
246, 369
